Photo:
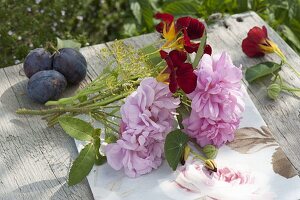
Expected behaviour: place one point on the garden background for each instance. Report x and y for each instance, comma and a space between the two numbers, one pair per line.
28, 24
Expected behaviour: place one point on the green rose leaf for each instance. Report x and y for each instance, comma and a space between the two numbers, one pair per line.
82, 165
67, 44
175, 143
77, 128
261, 70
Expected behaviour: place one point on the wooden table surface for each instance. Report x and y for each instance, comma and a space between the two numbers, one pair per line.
35, 159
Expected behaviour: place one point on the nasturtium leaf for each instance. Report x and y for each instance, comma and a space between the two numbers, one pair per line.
175, 143
67, 44
82, 165
200, 51
261, 70
77, 128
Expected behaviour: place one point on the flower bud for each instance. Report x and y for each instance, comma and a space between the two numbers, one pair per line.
210, 151
210, 165
274, 90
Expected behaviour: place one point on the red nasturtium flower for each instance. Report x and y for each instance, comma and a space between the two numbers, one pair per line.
258, 44
179, 33
181, 74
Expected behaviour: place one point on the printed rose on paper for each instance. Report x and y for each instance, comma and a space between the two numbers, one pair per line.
193, 180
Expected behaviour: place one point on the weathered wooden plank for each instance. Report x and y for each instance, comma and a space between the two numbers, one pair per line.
34, 159
282, 115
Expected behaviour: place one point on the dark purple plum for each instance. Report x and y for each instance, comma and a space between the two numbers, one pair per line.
37, 60
71, 63
46, 85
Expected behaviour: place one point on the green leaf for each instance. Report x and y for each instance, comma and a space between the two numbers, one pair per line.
242, 5
67, 44
130, 29
136, 10
147, 13
290, 35
200, 51
100, 160
77, 128
261, 70
174, 147
97, 133
82, 165
181, 7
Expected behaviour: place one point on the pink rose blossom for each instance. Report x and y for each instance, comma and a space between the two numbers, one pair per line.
207, 131
217, 102
218, 93
147, 116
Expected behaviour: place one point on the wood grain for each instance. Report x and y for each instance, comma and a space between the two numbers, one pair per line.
34, 159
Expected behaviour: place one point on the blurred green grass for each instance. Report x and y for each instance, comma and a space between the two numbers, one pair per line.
29, 24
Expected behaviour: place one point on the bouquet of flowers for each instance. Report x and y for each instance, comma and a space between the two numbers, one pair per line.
170, 100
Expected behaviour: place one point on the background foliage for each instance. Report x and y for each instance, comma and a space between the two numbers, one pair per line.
29, 24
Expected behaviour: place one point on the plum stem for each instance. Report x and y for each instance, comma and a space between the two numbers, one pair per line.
50, 47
